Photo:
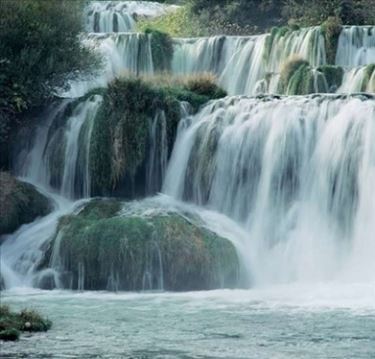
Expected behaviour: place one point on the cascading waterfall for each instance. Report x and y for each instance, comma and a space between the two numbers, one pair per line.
59, 156
288, 179
291, 170
122, 54
356, 46
243, 64
246, 64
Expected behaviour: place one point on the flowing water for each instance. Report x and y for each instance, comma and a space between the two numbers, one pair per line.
298, 322
288, 179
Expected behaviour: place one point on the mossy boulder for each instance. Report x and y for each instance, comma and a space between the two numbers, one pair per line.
136, 112
20, 203
12, 323
102, 248
331, 29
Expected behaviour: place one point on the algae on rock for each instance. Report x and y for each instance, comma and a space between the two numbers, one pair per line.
103, 249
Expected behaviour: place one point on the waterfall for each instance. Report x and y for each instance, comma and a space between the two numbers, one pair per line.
158, 153
59, 155
291, 170
121, 16
122, 54
247, 65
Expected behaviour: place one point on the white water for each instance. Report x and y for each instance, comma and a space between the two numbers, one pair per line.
247, 65
356, 46
296, 173
121, 16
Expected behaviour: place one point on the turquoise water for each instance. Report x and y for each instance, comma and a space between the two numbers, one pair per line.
323, 321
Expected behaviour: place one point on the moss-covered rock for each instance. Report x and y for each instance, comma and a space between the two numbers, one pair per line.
103, 249
20, 203
331, 30
11, 323
368, 83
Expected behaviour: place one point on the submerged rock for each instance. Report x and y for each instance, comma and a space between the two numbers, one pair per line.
101, 248
20, 203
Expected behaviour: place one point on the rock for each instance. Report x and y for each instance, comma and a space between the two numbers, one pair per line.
100, 249
20, 203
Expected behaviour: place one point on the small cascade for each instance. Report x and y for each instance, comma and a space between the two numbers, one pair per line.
359, 79
121, 16
158, 153
356, 46
122, 54
22, 251
289, 170
244, 64
59, 156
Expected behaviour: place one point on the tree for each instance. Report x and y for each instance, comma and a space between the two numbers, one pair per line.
39, 49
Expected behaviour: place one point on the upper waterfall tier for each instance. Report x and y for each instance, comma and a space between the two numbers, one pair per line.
120, 16
246, 64
297, 172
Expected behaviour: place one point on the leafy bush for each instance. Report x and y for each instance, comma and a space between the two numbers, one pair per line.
39, 48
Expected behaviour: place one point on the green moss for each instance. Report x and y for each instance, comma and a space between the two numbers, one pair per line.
11, 323
333, 76
331, 30
20, 203
123, 251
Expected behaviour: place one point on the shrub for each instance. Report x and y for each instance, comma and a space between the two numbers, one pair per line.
161, 49
39, 48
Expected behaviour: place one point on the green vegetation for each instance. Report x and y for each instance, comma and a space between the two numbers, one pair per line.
39, 49
102, 250
20, 203
121, 129
295, 68
12, 324
331, 29
161, 49
333, 76
246, 17
177, 23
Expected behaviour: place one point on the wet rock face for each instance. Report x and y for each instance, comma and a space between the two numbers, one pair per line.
103, 249
20, 203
